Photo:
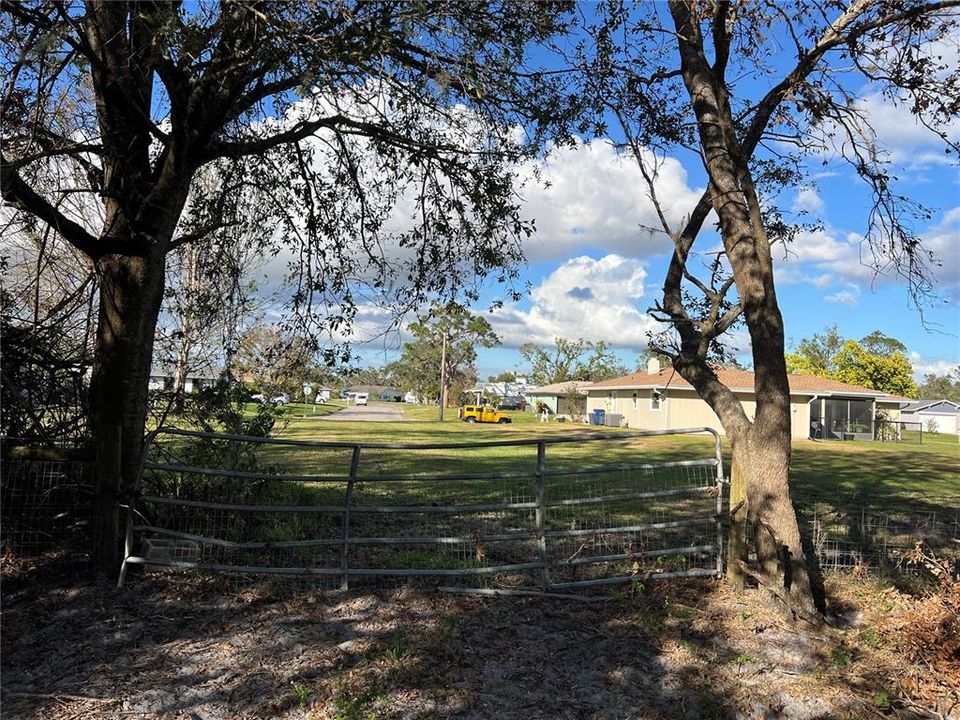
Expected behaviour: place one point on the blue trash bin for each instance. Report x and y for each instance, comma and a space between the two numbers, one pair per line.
598, 416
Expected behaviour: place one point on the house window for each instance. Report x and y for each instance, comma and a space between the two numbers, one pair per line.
656, 399
634, 401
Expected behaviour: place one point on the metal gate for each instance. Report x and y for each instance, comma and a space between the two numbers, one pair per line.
556, 513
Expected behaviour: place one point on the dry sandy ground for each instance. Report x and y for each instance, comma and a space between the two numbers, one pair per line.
181, 648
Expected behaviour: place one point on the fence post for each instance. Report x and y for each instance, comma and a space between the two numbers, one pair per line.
108, 487
347, 502
542, 511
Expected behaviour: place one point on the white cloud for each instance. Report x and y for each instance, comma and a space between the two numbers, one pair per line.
584, 297
843, 297
943, 240
598, 200
808, 200
923, 366
824, 257
899, 134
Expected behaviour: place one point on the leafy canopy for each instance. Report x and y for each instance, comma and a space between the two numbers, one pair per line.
572, 360
876, 361
449, 334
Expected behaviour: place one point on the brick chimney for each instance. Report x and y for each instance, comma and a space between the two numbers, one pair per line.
653, 365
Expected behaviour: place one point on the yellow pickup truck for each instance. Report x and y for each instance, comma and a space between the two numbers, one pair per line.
483, 414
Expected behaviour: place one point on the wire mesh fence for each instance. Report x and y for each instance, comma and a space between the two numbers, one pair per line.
520, 515
46, 500
868, 542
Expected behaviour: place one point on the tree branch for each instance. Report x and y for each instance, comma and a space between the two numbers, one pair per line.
17, 193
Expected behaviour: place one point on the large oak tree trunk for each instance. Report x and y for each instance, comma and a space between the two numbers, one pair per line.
763, 447
131, 292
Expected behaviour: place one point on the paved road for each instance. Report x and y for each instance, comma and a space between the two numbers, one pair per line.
367, 413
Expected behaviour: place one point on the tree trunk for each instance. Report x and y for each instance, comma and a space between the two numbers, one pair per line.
764, 445
780, 547
180, 371
131, 292
737, 545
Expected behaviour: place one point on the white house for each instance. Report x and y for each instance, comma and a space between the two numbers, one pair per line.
162, 376
942, 416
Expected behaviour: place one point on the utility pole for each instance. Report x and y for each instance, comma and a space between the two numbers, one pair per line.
443, 374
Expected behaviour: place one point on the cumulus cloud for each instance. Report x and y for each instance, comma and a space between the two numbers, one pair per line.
943, 240
826, 257
899, 134
584, 297
592, 198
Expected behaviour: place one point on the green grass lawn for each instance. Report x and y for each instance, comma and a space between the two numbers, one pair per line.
413, 490
882, 476
841, 475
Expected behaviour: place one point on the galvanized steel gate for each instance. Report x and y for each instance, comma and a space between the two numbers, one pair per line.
490, 516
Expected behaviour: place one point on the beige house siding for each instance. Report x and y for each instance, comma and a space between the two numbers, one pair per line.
890, 409
682, 408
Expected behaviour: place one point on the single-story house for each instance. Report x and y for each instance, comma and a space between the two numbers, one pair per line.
559, 397
501, 393
660, 399
391, 395
942, 416
162, 376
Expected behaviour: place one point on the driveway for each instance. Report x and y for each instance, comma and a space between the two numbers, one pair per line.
367, 413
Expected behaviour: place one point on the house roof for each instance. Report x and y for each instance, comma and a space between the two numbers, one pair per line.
560, 388
169, 370
917, 405
739, 380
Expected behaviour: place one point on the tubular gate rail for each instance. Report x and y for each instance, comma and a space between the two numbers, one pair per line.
489, 516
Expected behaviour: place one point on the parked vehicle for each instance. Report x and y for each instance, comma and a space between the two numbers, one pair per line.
361, 398
278, 399
483, 414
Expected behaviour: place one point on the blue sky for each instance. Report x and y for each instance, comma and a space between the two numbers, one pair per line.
593, 270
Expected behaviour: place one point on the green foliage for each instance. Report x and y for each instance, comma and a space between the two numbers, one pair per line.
348, 705
222, 407
942, 387
889, 373
572, 360
815, 355
450, 333
302, 693
877, 361
841, 656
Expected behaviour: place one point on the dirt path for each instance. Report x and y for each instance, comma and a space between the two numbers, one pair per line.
198, 649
